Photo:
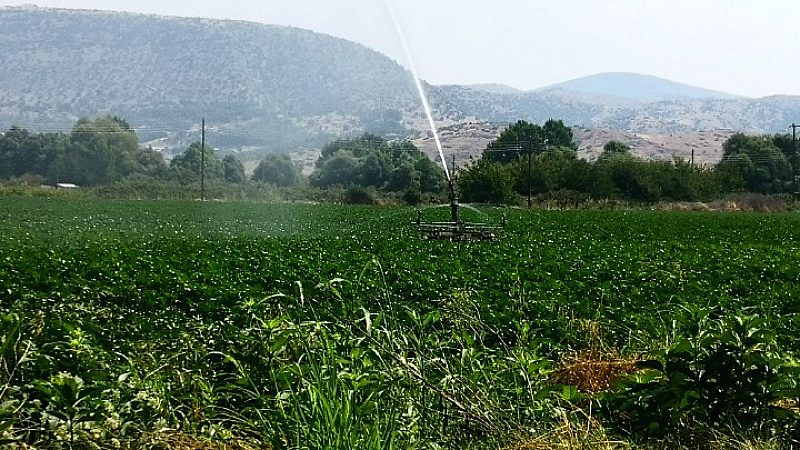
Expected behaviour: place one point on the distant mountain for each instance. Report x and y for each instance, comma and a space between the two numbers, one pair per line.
632, 86
271, 88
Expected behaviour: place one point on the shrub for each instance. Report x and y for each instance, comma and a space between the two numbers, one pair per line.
412, 197
729, 376
357, 195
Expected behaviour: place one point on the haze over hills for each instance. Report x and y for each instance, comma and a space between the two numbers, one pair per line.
641, 88
274, 88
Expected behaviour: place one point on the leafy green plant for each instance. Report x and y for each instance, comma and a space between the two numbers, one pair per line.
15, 351
69, 405
730, 374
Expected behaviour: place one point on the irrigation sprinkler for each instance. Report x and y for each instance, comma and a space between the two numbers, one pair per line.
455, 229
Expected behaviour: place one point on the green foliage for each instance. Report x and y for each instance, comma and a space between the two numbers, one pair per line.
728, 373
412, 197
549, 171
519, 137
101, 151
487, 182
339, 169
24, 153
369, 161
358, 195
614, 150
622, 177
189, 165
759, 162
277, 169
788, 145
232, 169
559, 136
541, 161
523, 137
617, 174
97, 152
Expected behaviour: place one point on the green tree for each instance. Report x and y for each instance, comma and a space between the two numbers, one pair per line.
404, 176
233, 169
150, 163
340, 169
543, 172
369, 161
790, 148
513, 141
520, 138
188, 165
431, 175
618, 173
106, 147
359, 147
375, 169
679, 180
557, 135
487, 182
616, 150
577, 176
13, 149
22, 152
759, 162
277, 169
100, 151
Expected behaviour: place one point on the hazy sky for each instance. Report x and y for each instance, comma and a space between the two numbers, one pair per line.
744, 47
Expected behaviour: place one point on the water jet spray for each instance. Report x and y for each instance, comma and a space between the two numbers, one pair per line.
420, 89
455, 229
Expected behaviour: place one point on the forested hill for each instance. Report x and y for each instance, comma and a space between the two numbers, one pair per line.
167, 73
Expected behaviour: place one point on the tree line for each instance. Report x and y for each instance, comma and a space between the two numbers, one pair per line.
537, 162
541, 163
100, 152
105, 151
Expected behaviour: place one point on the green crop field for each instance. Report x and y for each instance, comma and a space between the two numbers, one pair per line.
128, 324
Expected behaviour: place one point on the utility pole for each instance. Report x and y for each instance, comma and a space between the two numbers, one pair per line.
795, 158
530, 155
203, 160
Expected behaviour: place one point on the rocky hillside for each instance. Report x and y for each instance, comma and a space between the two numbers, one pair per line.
256, 84
269, 88
765, 115
464, 142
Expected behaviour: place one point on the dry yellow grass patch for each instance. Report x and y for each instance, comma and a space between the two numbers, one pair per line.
592, 374
587, 436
